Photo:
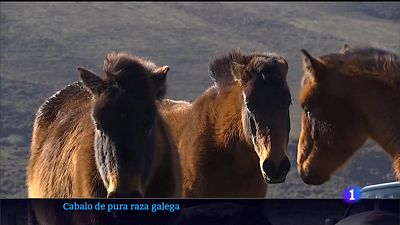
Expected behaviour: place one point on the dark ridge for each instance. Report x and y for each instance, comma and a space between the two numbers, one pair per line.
48, 110
374, 62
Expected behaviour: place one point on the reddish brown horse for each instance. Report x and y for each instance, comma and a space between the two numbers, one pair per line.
233, 138
347, 97
103, 137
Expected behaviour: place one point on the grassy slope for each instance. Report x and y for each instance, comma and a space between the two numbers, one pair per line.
43, 43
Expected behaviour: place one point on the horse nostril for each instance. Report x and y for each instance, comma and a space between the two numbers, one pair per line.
268, 167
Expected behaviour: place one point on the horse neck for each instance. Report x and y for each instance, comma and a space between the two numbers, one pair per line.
380, 107
228, 115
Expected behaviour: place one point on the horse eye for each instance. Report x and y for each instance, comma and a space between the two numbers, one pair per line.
307, 111
97, 125
264, 76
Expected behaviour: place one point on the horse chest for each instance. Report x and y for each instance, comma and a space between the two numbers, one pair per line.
228, 174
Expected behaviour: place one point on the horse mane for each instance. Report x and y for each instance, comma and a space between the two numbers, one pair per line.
49, 109
220, 68
372, 62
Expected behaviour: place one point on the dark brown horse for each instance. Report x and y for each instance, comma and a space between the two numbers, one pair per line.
103, 137
347, 97
233, 139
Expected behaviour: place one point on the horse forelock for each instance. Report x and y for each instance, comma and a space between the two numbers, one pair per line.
220, 68
308, 90
121, 65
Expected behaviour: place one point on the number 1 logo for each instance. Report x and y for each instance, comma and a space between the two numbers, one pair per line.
352, 194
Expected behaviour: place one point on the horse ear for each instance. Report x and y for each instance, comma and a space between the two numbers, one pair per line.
91, 81
162, 71
346, 48
314, 65
158, 80
238, 71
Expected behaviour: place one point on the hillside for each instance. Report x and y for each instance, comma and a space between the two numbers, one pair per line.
42, 44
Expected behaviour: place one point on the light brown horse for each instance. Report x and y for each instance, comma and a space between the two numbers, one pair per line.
233, 139
104, 137
347, 97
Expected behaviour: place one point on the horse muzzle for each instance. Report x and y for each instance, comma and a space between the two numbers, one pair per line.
312, 178
134, 194
273, 173
131, 187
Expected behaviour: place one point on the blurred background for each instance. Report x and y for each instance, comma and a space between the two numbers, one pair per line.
42, 44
